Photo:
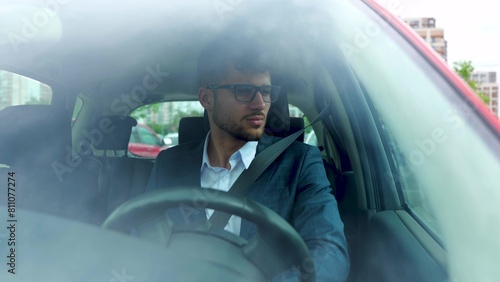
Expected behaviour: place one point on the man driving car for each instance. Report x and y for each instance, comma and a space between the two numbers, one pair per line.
236, 91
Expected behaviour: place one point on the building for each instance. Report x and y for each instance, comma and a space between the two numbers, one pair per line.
481, 77
426, 28
487, 84
491, 90
19, 90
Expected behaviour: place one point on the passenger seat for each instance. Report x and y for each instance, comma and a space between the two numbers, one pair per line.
36, 146
123, 177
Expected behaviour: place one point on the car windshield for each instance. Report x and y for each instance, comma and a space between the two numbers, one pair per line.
91, 93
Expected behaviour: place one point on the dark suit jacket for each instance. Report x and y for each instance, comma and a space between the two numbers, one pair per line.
295, 186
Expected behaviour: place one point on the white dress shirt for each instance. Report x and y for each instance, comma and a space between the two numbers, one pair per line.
222, 179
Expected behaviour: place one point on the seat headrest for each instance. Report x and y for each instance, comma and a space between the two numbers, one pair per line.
34, 135
192, 129
296, 124
278, 117
115, 132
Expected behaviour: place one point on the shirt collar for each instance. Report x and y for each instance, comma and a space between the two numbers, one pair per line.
245, 153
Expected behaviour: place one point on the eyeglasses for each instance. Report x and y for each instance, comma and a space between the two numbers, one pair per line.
246, 92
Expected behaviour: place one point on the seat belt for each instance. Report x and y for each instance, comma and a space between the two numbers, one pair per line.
259, 164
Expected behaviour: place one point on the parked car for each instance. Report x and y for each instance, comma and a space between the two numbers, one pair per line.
171, 139
411, 152
145, 142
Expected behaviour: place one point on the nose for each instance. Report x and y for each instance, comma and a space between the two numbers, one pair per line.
258, 102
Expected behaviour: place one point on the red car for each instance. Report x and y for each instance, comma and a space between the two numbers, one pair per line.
144, 142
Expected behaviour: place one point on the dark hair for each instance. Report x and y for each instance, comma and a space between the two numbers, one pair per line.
245, 54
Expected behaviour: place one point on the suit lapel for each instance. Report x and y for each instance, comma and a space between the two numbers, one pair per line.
188, 161
186, 173
194, 160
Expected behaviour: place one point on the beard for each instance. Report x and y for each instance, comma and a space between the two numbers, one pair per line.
235, 128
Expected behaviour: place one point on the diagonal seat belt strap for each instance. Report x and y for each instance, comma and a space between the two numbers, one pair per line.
260, 163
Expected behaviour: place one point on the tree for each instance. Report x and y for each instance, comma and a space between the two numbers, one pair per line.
145, 111
176, 117
464, 69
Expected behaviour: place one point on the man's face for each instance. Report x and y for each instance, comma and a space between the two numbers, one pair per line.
240, 120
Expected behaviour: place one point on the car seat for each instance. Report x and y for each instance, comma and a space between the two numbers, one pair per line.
122, 177
36, 145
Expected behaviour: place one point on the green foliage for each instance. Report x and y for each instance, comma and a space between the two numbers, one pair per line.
484, 97
33, 101
465, 69
145, 111
38, 101
158, 128
306, 123
181, 114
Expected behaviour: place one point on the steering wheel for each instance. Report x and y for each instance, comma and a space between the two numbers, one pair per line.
276, 239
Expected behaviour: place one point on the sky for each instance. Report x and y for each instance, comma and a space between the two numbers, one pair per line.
471, 28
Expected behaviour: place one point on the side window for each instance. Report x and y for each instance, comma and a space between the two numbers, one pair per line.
134, 137
309, 135
20, 90
163, 119
148, 137
76, 110
404, 174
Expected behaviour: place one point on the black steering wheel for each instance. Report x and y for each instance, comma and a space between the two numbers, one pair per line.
276, 239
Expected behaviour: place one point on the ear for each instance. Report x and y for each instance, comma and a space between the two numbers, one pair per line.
205, 97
